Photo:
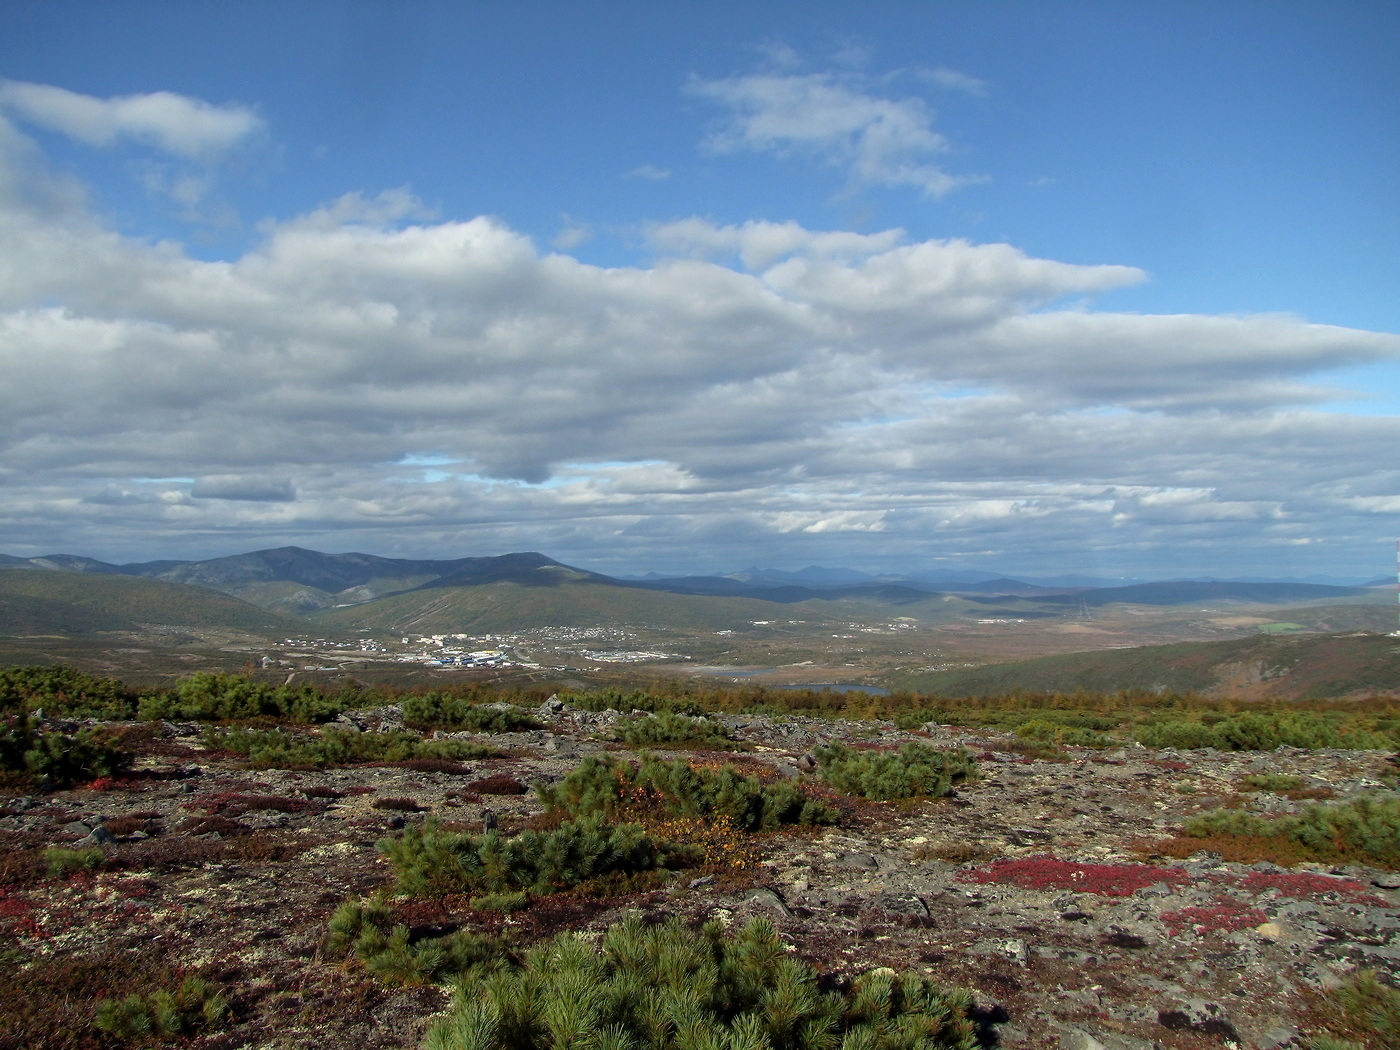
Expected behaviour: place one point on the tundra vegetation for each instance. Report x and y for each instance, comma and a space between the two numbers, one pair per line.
477, 908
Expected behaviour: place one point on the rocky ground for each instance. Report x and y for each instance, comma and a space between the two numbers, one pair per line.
1038, 885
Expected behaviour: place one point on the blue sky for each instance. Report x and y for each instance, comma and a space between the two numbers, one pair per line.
1054, 287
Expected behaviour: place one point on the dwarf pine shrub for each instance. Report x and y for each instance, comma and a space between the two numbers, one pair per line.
57, 759
430, 860
194, 1006
668, 987
207, 696
602, 786
65, 691
914, 771
1052, 731
1265, 731
1367, 827
670, 728
389, 951
632, 700
438, 711
1274, 782
279, 749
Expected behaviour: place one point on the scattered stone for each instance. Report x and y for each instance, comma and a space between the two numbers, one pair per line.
1200, 1016
766, 898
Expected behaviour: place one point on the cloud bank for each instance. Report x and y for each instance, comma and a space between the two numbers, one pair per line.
363, 378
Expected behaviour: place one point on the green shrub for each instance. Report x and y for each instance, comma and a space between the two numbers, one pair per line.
671, 728
213, 697
279, 749
1367, 828
1265, 731
62, 862
914, 771
1361, 1007
633, 700
1054, 731
430, 860
390, 952
64, 691
194, 1006
438, 711
57, 759
670, 988
1274, 782
601, 786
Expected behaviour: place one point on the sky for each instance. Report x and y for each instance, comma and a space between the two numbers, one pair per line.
1065, 287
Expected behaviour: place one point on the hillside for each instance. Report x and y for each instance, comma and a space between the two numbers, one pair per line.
1297, 667
549, 600
72, 603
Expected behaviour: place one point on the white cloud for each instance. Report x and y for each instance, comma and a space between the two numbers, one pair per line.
877, 141
828, 389
955, 81
189, 128
650, 172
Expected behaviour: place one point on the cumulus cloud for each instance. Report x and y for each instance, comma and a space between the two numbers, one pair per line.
758, 390
877, 141
185, 127
956, 81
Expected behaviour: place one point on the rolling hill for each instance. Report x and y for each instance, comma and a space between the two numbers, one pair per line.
1296, 667
70, 603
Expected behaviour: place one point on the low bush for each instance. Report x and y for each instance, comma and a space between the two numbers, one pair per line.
1274, 782
194, 1006
389, 950
668, 987
656, 730
605, 787
632, 700
1049, 731
401, 805
914, 771
279, 749
1265, 731
498, 784
439, 711
207, 696
65, 691
1361, 1014
1366, 828
62, 861
55, 759
430, 860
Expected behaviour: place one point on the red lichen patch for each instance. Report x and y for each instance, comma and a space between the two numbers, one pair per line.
1049, 873
1226, 916
1299, 884
498, 784
1170, 764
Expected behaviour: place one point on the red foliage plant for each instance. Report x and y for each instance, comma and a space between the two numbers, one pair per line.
1049, 873
1309, 884
1226, 916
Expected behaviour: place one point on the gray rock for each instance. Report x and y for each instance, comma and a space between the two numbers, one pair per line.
902, 905
77, 827
766, 898
1074, 1038
861, 861
1012, 948
807, 764
1390, 880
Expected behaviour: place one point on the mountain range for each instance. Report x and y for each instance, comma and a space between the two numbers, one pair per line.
280, 587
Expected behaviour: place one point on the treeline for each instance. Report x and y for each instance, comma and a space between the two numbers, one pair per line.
1083, 719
